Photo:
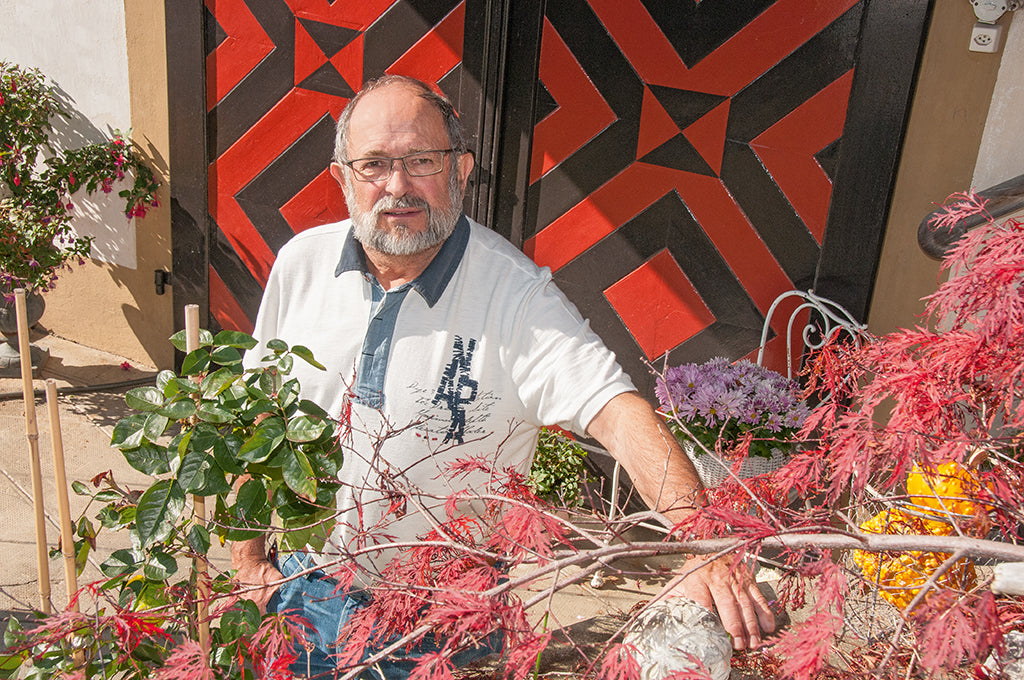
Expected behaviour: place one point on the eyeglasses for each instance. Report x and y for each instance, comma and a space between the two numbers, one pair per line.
418, 164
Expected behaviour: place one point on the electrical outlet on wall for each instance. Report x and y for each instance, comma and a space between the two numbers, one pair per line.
986, 37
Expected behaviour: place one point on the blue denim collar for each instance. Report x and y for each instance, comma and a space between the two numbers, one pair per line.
434, 279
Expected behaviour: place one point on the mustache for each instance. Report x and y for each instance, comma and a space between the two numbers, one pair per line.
386, 203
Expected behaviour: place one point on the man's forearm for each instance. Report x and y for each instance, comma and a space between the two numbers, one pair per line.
659, 469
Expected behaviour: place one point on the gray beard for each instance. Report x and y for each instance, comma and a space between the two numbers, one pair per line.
401, 242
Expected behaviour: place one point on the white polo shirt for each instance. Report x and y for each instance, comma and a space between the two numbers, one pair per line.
467, 361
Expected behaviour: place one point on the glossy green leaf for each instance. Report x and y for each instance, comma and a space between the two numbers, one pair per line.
204, 436
195, 362
305, 428
163, 379
306, 355
191, 475
158, 509
214, 413
251, 500
226, 356
80, 488
180, 339
216, 382
120, 562
106, 496
129, 431
150, 459
159, 566
312, 408
285, 363
298, 474
225, 452
267, 436
277, 345
144, 399
199, 539
270, 381
234, 339
181, 408
155, 426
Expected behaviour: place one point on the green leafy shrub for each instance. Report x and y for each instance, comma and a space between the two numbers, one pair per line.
558, 474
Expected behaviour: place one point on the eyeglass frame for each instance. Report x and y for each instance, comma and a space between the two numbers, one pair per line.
391, 167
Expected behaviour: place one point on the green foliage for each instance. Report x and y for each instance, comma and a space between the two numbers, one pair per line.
240, 437
37, 180
202, 431
558, 474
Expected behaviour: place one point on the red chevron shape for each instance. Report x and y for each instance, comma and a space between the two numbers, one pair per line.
787, 151
349, 63
308, 55
707, 135
296, 113
358, 15
659, 305
754, 49
239, 53
656, 126
642, 42
437, 52
224, 307
637, 187
319, 202
581, 114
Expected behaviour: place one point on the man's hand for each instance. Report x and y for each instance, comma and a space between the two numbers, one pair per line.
639, 439
249, 559
722, 586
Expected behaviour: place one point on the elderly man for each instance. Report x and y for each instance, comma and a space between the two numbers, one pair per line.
443, 342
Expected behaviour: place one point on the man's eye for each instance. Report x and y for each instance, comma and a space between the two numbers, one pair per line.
372, 164
420, 161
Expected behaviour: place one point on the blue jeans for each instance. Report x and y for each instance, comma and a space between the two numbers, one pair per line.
313, 597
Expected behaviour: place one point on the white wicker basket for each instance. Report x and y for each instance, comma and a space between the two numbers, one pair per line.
713, 470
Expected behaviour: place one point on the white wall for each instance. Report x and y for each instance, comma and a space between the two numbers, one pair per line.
80, 46
1001, 155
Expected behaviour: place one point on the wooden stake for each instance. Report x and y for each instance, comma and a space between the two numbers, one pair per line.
199, 504
67, 536
32, 434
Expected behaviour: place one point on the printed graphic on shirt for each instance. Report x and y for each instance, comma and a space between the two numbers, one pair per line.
457, 389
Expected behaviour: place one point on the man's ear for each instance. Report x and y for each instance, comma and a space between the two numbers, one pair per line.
466, 162
338, 173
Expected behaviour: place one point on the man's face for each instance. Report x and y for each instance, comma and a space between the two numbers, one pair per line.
401, 215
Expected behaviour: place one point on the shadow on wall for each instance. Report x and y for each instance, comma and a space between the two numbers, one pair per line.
119, 242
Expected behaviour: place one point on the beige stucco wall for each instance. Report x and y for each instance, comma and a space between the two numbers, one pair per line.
947, 122
115, 307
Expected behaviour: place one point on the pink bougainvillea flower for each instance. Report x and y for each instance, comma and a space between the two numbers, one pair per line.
125, 366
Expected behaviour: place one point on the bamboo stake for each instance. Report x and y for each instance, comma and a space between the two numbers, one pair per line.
32, 434
67, 536
199, 504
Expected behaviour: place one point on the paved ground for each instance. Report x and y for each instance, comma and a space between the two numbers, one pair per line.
91, 386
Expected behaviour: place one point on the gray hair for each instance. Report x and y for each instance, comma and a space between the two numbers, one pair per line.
452, 124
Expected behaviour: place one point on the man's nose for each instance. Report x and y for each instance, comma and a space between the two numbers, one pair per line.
399, 180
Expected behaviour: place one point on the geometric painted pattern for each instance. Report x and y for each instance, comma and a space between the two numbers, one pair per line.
278, 75
676, 175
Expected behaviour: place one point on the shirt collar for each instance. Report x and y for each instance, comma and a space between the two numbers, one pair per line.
432, 282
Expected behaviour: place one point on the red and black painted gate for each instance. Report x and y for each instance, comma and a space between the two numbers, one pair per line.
676, 164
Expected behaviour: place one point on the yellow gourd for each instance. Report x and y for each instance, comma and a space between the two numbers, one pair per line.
900, 575
944, 491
